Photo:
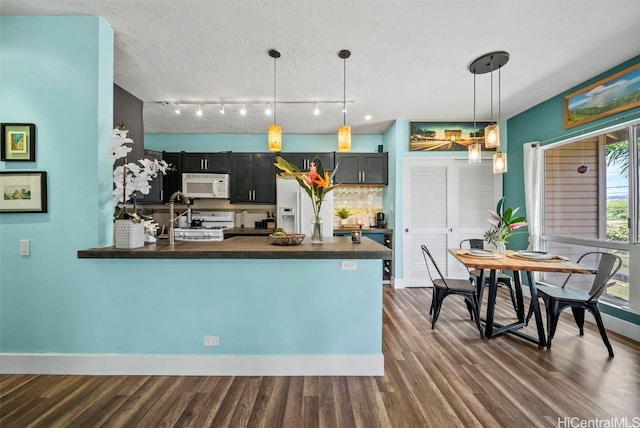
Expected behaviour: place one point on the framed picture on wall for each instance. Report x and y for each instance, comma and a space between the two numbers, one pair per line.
23, 192
445, 136
18, 142
618, 92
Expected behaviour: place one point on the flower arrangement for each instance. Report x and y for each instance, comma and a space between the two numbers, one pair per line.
317, 183
131, 177
503, 224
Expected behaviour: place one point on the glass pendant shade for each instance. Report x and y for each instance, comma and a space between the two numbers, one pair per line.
344, 138
492, 136
475, 153
499, 163
275, 138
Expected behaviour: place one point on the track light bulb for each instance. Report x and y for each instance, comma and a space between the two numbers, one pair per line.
199, 112
268, 110
177, 110
316, 111
222, 109
243, 110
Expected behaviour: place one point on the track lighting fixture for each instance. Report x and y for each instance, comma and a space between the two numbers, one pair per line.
177, 110
243, 110
344, 132
316, 111
222, 109
274, 132
199, 111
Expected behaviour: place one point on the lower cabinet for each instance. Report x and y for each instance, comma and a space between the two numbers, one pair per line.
381, 236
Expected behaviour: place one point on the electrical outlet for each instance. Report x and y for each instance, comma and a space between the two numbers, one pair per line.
211, 341
349, 265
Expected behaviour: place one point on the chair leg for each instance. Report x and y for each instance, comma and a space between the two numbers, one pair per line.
469, 308
472, 300
603, 332
578, 315
438, 297
553, 314
529, 313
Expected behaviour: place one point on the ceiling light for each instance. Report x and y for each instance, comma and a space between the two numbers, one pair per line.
222, 109
268, 110
243, 110
199, 112
475, 148
316, 110
177, 110
344, 132
485, 64
274, 132
499, 162
367, 117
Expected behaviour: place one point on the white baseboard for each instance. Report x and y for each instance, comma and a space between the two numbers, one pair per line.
193, 365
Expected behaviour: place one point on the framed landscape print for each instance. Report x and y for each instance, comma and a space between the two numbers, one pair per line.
23, 192
18, 142
445, 136
618, 92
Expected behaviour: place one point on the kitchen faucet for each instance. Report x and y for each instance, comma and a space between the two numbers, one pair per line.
172, 219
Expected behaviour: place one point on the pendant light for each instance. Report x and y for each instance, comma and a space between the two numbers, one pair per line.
344, 132
485, 64
475, 148
274, 133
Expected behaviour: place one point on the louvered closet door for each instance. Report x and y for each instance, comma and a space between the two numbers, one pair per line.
445, 201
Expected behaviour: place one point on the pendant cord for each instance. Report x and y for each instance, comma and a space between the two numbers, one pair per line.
274, 91
492, 89
474, 107
344, 92
499, 86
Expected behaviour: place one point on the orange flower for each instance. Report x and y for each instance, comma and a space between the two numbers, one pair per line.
322, 181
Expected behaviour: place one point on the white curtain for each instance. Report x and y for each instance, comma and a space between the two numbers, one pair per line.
533, 192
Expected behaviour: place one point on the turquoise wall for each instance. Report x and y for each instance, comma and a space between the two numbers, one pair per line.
57, 72
256, 142
545, 123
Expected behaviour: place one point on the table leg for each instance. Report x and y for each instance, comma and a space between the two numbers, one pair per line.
519, 298
535, 304
491, 303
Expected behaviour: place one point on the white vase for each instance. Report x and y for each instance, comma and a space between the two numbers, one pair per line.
502, 248
128, 234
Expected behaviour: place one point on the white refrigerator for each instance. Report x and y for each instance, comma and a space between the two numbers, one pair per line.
294, 210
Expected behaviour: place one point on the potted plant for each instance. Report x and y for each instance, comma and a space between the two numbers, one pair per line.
344, 214
129, 178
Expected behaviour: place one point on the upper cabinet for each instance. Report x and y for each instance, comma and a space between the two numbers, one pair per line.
205, 162
155, 193
253, 178
361, 168
303, 160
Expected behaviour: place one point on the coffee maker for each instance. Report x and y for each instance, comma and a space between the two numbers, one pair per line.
380, 220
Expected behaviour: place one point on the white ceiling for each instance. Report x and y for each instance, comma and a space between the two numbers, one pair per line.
409, 58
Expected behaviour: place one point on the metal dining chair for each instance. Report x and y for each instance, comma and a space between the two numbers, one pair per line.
443, 287
474, 274
556, 299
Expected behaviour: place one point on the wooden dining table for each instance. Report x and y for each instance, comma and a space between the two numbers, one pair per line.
511, 261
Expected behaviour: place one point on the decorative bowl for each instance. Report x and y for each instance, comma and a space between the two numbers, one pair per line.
294, 239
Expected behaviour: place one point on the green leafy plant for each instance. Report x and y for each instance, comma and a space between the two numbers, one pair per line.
503, 223
343, 213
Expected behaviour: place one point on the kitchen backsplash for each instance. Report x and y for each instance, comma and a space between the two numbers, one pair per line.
364, 202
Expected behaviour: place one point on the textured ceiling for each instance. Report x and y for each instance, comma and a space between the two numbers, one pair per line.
409, 58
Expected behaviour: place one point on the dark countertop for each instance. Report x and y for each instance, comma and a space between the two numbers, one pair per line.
364, 230
247, 247
251, 231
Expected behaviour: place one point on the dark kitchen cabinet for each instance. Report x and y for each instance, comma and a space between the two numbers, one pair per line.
361, 168
253, 178
173, 180
205, 162
303, 160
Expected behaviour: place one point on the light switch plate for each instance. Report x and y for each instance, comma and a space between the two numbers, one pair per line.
349, 265
24, 247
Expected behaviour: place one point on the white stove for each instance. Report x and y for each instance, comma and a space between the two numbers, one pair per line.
206, 226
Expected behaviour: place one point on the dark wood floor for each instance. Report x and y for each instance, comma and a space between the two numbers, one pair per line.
447, 377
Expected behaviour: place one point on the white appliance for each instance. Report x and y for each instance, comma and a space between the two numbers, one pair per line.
205, 186
205, 226
294, 210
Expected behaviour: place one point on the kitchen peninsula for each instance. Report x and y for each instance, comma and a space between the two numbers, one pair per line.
276, 310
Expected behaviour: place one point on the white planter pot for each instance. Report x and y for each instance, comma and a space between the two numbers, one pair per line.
128, 234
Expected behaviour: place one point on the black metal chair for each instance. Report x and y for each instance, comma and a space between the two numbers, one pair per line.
556, 299
474, 274
444, 287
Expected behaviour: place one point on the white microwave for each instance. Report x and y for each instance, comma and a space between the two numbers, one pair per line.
205, 186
